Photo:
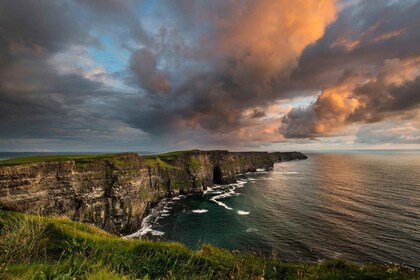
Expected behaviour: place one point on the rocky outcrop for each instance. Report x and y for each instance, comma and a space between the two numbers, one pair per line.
287, 156
116, 192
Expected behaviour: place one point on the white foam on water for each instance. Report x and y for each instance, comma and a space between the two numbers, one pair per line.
261, 169
218, 191
230, 192
221, 204
157, 233
256, 179
251, 230
156, 213
146, 228
209, 189
285, 172
200, 211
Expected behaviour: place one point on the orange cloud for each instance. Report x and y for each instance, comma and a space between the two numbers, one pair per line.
388, 35
358, 97
346, 44
267, 37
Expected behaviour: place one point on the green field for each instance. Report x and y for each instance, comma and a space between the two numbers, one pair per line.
49, 158
35, 247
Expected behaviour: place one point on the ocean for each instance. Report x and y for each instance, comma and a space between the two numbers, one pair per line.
362, 206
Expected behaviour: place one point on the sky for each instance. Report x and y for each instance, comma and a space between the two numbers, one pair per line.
154, 75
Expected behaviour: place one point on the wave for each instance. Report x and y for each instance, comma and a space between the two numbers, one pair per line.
221, 204
146, 228
258, 172
200, 211
248, 230
285, 172
229, 191
240, 212
157, 213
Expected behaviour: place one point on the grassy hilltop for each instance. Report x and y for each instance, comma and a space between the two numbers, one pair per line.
35, 247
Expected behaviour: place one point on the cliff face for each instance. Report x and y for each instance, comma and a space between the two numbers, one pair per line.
287, 156
115, 192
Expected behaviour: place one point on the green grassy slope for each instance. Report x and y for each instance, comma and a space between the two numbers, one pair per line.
34, 247
49, 158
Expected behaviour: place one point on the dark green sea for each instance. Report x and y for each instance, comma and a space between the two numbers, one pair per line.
363, 206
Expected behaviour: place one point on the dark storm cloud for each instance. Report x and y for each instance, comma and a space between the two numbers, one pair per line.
144, 65
120, 17
35, 100
204, 72
31, 28
361, 37
240, 60
386, 101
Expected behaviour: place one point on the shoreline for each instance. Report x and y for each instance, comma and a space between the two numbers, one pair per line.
147, 227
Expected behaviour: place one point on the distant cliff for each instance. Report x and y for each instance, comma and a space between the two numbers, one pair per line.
114, 192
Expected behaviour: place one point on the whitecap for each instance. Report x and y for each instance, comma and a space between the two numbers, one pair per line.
157, 233
251, 230
221, 204
240, 212
209, 189
285, 172
200, 211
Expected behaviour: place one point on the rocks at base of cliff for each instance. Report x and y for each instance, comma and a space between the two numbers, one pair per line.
115, 192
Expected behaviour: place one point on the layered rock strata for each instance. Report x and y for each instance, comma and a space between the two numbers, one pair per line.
115, 192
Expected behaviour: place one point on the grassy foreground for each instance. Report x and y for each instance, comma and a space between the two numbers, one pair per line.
35, 247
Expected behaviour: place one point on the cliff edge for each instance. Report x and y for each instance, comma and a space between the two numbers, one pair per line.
114, 192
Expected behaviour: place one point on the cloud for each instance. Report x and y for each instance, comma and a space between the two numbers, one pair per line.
119, 17
389, 91
242, 60
363, 36
144, 64
407, 132
50, 90
213, 73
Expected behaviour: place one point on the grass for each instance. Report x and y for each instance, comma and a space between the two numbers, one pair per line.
175, 153
35, 247
153, 161
49, 158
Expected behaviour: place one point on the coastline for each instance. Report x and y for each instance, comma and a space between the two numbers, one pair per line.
116, 191
159, 208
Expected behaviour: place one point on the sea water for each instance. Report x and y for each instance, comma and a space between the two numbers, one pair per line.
362, 206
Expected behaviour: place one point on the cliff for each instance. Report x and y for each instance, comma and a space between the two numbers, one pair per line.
114, 192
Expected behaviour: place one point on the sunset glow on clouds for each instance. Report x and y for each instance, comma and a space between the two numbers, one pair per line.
158, 75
